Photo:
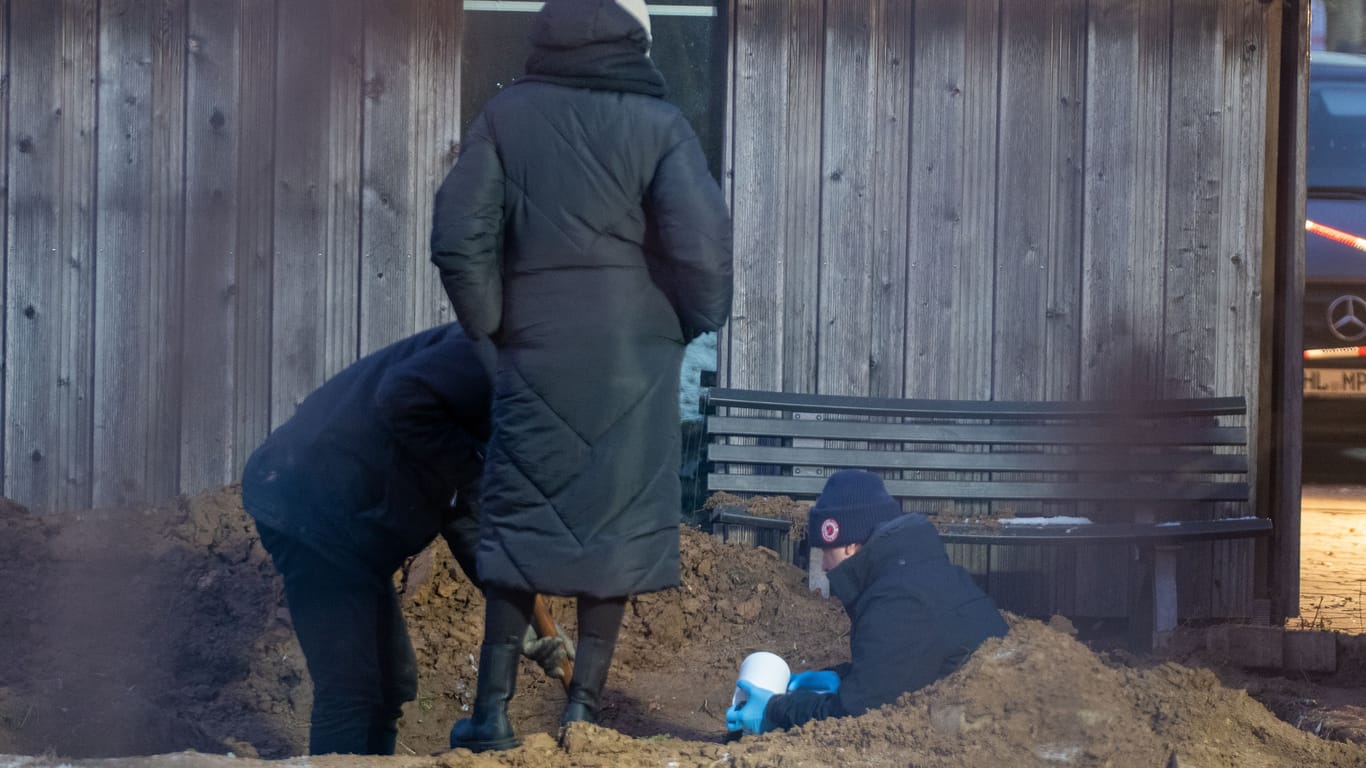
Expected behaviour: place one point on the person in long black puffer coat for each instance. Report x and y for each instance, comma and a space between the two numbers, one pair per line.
581, 232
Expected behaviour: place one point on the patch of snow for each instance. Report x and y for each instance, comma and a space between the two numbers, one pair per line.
1059, 520
1055, 754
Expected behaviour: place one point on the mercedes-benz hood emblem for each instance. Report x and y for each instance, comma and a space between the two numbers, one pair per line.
1347, 317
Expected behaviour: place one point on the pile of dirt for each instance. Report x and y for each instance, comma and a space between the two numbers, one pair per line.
777, 507
149, 631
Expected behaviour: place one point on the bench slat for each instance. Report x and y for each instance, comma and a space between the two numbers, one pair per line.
992, 490
1040, 434
970, 409
1203, 463
1109, 533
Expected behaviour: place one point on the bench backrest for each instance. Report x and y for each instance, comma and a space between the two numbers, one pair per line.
1172, 454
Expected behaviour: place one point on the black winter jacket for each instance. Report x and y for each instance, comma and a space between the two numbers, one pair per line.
581, 231
366, 468
914, 618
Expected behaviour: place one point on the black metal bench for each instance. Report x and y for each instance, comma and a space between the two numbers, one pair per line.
1148, 477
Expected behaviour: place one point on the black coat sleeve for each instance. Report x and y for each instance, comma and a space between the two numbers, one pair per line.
467, 233
892, 643
692, 225
435, 405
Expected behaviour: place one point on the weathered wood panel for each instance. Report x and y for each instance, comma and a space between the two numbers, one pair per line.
1237, 348
6, 306
50, 278
411, 114
317, 197
802, 181
255, 187
844, 349
213, 135
1194, 179
892, 58
138, 226
1038, 253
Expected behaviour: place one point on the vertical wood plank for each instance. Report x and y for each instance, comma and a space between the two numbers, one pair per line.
892, 56
846, 233
255, 194
49, 419
1128, 69
1195, 192
756, 324
317, 205
6, 305
411, 113
1038, 248
949, 275
214, 128
799, 261
137, 251
1239, 321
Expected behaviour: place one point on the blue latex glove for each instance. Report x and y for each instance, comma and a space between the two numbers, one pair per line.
749, 716
820, 681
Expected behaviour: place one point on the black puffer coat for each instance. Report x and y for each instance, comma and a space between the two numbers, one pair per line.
914, 618
581, 230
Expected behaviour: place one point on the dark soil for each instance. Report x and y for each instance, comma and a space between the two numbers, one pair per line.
141, 632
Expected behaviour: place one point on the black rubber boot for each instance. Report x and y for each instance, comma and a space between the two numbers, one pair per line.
591, 663
488, 727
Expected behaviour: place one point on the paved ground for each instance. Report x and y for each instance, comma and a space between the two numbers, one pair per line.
1333, 557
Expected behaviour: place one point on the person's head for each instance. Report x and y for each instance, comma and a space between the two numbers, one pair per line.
575, 23
853, 504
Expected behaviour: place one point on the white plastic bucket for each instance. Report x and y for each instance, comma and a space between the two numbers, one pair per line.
762, 670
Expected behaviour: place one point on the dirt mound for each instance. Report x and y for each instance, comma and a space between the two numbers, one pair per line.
148, 631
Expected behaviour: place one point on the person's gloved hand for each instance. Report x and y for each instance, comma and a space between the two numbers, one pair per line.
547, 652
818, 680
749, 716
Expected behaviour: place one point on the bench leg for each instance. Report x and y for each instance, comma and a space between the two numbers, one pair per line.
1142, 608
1164, 592
1152, 596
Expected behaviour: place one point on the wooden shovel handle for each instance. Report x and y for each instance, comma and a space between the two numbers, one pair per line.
545, 627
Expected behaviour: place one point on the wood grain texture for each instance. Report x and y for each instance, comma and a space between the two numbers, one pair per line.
317, 206
255, 241
801, 261
892, 56
215, 127
6, 305
49, 341
755, 327
411, 114
1244, 284
845, 333
138, 226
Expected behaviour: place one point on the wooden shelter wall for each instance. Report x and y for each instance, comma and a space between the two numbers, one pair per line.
996, 200
210, 206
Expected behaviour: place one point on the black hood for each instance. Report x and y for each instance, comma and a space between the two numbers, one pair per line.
593, 44
911, 538
565, 24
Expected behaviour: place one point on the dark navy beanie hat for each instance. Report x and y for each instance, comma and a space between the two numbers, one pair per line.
852, 505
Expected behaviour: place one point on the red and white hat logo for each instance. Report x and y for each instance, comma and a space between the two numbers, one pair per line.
830, 530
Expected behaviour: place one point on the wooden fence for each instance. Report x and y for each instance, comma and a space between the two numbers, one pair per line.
211, 205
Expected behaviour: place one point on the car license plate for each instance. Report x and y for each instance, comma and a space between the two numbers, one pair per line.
1335, 382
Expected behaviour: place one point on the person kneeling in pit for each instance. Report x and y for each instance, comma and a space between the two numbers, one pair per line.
914, 616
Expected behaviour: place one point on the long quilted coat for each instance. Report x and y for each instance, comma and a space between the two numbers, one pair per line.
582, 232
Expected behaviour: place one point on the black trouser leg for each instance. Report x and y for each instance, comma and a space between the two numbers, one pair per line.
506, 617
599, 623
355, 644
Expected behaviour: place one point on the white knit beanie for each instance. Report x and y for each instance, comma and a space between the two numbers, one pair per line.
637, 9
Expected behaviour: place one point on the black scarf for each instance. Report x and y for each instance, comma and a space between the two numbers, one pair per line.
616, 65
